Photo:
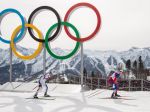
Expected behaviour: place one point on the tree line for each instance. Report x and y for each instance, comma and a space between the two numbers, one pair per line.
137, 68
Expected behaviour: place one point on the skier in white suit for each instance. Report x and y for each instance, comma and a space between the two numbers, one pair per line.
42, 85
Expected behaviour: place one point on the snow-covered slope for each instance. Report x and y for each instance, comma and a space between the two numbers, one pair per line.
68, 98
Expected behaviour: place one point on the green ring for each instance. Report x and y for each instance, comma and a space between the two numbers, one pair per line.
72, 52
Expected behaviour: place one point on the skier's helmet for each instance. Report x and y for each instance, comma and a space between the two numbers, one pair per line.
47, 75
120, 66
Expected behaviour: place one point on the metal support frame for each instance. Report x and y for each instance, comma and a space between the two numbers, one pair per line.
44, 60
82, 66
10, 69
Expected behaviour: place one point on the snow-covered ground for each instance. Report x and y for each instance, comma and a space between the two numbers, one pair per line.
70, 99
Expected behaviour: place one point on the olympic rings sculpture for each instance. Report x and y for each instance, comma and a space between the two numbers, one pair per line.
17, 34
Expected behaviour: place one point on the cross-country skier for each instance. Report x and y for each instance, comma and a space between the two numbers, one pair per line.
42, 85
113, 80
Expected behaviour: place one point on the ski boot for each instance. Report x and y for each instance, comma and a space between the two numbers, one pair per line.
46, 95
117, 95
35, 96
113, 96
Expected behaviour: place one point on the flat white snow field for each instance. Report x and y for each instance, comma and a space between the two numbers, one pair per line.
68, 98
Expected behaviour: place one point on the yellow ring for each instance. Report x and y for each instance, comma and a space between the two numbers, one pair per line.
36, 53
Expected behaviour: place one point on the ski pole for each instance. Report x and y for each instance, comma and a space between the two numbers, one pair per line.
97, 93
92, 93
18, 86
34, 87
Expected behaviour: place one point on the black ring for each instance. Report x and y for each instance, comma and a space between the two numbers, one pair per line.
34, 14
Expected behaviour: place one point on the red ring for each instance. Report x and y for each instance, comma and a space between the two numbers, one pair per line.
96, 29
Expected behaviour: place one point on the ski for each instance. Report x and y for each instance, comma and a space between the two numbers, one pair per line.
117, 98
41, 98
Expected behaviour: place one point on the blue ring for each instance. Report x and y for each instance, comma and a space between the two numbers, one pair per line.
17, 38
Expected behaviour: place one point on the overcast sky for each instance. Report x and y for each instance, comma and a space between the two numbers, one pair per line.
125, 23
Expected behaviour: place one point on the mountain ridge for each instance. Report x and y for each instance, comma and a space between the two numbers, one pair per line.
101, 62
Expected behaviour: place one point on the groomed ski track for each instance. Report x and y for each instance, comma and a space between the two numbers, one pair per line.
69, 98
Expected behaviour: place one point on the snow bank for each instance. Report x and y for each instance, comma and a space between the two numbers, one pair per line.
31, 87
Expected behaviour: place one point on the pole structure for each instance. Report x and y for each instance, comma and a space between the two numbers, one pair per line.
10, 69
81, 65
44, 60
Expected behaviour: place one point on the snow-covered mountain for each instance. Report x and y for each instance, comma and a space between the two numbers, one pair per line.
98, 61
